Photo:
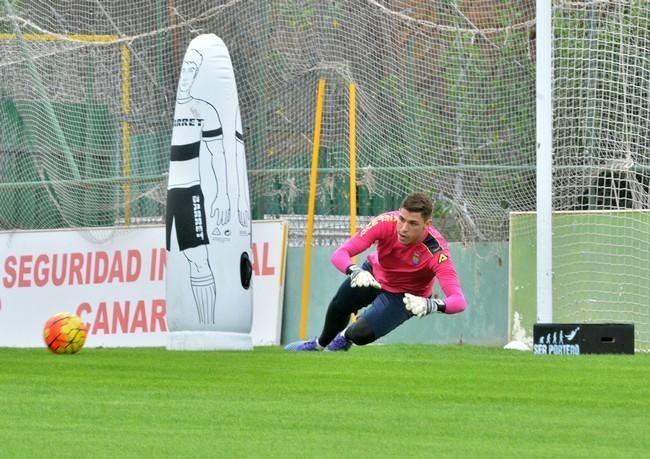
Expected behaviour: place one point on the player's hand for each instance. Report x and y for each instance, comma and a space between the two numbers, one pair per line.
420, 306
359, 277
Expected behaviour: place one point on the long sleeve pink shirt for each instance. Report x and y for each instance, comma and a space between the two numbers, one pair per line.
401, 268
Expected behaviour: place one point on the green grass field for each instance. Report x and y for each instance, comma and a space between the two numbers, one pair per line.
393, 401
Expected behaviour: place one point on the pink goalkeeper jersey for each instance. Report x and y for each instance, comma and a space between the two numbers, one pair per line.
401, 268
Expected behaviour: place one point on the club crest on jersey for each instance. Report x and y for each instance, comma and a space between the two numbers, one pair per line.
442, 257
416, 259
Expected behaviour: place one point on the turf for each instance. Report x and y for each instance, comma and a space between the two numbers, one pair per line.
393, 401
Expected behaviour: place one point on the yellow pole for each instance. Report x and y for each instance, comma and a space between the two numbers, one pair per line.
126, 150
313, 178
353, 165
283, 253
353, 159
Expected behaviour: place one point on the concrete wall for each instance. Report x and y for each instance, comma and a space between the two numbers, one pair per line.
483, 270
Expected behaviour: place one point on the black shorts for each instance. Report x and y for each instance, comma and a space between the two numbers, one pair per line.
186, 208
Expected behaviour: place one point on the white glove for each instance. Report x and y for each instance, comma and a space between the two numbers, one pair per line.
420, 306
361, 278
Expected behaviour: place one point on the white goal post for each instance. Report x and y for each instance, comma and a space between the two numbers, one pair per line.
544, 136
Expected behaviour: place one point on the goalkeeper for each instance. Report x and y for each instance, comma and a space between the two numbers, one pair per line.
396, 280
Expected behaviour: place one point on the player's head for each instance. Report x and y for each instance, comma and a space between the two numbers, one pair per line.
414, 217
420, 203
191, 64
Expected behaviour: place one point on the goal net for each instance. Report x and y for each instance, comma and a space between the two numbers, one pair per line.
601, 240
445, 104
83, 122
601, 172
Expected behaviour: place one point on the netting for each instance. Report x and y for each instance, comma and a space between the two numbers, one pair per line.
601, 240
445, 104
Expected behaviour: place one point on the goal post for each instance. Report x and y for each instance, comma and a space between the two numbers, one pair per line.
544, 136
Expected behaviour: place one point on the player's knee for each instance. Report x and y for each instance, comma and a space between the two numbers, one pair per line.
360, 332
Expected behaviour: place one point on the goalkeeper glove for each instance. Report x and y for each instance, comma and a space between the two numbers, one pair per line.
359, 277
420, 306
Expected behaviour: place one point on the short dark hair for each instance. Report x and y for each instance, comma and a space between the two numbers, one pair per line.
418, 202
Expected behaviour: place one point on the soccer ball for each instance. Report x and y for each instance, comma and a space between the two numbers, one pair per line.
64, 333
